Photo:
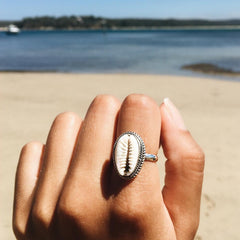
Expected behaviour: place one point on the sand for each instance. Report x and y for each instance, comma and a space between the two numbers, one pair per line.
211, 109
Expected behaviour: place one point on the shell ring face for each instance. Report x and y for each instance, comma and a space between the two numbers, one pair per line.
128, 155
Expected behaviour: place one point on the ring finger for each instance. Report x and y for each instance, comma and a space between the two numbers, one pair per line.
57, 156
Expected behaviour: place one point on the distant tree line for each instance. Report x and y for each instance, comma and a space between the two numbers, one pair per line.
91, 22
64, 22
5, 23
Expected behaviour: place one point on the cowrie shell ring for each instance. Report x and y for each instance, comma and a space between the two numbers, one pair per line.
129, 155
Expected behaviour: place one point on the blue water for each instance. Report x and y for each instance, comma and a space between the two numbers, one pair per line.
151, 51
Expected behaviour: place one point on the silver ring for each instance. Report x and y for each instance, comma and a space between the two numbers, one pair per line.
129, 155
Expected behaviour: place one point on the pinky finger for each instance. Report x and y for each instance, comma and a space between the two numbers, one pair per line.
25, 182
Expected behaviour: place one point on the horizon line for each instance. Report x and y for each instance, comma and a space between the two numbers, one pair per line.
132, 17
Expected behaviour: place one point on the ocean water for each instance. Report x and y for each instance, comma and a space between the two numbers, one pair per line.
145, 51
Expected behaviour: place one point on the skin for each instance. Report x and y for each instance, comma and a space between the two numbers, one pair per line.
68, 189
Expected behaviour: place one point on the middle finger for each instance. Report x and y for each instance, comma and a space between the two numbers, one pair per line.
85, 191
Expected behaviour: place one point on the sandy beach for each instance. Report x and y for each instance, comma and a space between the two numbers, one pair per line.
211, 109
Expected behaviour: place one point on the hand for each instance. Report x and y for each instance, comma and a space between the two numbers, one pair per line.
68, 189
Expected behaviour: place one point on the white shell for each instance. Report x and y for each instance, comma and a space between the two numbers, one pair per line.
129, 150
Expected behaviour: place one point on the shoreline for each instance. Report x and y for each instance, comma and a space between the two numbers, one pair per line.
199, 70
229, 27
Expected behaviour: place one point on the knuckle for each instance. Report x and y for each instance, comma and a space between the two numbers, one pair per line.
130, 211
63, 208
80, 215
200, 155
194, 226
72, 213
41, 217
196, 160
191, 228
76, 210
188, 164
139, 100
66, 209
107, 101
66, 117
188, 226
19, 230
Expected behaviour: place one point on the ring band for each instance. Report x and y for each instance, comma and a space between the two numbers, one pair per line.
129, 155
151, 157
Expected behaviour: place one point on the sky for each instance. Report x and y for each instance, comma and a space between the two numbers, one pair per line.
183, 9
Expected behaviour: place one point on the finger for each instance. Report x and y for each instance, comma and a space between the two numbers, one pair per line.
57, 156
184, 172
85, 185
140, 114
26, 178
141, 197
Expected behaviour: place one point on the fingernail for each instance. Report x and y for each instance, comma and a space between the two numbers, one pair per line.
174, 114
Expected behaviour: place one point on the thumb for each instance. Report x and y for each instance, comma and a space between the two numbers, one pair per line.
184, 172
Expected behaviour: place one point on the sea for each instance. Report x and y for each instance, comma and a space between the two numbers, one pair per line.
121, 51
